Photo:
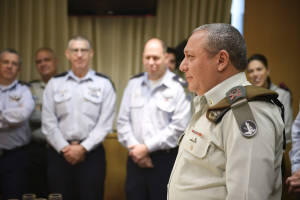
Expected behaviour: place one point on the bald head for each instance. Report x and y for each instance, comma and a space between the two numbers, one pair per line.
154, 58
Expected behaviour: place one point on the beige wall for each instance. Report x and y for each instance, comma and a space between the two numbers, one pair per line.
272, 27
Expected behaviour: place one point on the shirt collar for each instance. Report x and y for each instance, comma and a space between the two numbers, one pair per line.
9, 87
165, 80
217, 93
89, 76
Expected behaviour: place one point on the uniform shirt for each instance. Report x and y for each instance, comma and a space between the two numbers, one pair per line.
218, 162
16, 106
285, 98
37, 89
295, 152
153, 116
78, 109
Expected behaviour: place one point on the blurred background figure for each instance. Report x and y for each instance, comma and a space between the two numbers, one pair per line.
46, 64
293, 181
154, 112
258, 74
78, 113
16, 106
171, 59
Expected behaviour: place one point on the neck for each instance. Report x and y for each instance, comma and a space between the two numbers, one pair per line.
6, 82
46, 78
80, 73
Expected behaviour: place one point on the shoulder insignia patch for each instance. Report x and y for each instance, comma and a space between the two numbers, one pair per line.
60, 75
248, 128
138, 75
180, 80
236, 93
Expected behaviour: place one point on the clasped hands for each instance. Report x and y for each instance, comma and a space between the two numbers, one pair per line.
140, 155
74, 153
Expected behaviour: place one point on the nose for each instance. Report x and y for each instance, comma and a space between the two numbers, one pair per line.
151, 61
183, 66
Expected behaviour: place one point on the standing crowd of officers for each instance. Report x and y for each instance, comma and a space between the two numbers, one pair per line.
51, 132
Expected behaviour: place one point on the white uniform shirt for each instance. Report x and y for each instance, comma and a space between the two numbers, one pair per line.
16, 106
78, 109
215, 161
295, 152
155, 117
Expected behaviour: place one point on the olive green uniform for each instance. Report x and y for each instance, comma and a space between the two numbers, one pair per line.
217, 161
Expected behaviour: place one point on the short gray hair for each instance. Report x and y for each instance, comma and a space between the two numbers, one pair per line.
13, 51
79, 37
225, 37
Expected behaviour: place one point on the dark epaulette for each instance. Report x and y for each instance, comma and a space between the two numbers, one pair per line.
24, 83
107, 77
251, 93
180, 80
60, 75
137, 75
34, 81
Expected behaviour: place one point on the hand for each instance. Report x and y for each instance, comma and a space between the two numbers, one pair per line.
145, 162
138, 151
74, 153
293, 182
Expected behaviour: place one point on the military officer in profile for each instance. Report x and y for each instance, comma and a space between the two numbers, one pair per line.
233, 146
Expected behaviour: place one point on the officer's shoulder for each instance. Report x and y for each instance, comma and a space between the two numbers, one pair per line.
34, 83
100, 75
236, 94
137, 76
179, 80
60, 75
23, 83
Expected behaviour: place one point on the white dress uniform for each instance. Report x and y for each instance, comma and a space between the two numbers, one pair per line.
216, 161
78, 109
285, 98
155, 117
16, 106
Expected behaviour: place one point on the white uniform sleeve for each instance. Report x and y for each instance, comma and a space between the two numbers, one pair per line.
295, 152
13, 116
167, 138
105, 121
124, 127
253, 164
49, 120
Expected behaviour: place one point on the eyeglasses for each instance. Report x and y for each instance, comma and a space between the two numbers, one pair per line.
82, 51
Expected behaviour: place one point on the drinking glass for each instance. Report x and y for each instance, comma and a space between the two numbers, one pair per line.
29, 196
55, 196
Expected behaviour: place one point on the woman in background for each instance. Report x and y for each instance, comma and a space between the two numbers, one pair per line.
258, 74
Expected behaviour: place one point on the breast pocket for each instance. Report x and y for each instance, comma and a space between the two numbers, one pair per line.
165, 110
92, 103
197, 145
62, 103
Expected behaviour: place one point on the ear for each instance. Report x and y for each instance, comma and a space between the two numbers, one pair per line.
223, 60
68, 54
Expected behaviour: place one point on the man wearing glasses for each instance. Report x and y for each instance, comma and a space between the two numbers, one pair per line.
77, 114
